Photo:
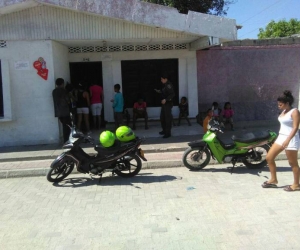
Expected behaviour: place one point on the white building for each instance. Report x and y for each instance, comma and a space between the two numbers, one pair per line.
114, 40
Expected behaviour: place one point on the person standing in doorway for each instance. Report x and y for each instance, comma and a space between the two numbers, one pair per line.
61, 107
96, 94
83, 104
288, 140
118, 105
166, 117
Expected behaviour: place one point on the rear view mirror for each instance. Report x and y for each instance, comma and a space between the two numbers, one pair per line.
76, 134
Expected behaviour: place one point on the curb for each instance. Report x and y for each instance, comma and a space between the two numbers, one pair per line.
38, 172
52, 157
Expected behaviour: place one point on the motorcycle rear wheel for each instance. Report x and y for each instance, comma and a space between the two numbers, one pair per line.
257, 162
128, 166
57, 174
196, 158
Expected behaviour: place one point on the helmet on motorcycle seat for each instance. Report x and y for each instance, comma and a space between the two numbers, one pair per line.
107, 138
125, 134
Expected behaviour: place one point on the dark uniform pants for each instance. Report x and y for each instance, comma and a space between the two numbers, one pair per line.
166, 117
66, 122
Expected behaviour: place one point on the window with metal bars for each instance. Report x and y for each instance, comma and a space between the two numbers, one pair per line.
117, 48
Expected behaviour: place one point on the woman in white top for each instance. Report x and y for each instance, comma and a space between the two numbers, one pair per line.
288, 140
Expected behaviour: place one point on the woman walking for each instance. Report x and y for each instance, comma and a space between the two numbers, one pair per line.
288, 140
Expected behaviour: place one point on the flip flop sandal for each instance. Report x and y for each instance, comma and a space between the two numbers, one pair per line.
289, 189
268, 185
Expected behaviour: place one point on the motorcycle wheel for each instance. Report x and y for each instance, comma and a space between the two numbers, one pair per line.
256, 162
128, 166
196, 158
61, 171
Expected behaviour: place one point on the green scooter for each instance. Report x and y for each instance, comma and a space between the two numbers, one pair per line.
249, 148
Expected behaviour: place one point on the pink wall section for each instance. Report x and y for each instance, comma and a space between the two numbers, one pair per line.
251, 78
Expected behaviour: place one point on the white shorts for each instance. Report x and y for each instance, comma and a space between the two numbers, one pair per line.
96, 109
83, 111
294, 143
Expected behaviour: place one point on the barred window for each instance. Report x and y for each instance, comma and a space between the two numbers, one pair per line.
127, 47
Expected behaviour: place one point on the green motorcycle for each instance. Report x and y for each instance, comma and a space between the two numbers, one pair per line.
249, 148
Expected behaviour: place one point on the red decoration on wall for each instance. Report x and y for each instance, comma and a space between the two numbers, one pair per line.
40, 66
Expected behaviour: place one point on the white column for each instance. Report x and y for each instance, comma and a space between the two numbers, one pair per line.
111, 76
192, 88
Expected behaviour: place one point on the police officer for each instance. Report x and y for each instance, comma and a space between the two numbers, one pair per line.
166, 117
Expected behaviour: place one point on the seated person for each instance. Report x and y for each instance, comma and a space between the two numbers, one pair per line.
140, 111
183, 110
227, 114
208, 117
216, 111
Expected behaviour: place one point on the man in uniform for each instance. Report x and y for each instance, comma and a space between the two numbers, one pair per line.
166, 117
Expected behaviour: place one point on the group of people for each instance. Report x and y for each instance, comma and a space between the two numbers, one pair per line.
224, 116
79, 101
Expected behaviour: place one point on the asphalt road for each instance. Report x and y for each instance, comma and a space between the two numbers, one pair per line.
171, 208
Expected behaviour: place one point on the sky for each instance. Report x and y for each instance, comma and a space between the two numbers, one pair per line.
255, 14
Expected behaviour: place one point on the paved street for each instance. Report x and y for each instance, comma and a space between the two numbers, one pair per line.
171, 208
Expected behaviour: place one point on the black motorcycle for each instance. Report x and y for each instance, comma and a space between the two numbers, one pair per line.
122, 159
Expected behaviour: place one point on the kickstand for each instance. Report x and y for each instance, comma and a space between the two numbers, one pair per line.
233, 165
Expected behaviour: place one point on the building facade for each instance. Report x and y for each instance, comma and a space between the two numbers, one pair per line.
109, 41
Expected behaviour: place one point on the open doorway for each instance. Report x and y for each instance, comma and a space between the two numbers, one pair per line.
87, 74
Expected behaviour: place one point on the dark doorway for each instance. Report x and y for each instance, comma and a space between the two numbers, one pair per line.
141, 77
1, 94
86, 73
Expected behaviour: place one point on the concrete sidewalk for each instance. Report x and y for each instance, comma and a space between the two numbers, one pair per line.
160, 153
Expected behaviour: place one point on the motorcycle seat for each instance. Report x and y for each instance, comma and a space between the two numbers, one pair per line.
225, 141
251, 136
114, 148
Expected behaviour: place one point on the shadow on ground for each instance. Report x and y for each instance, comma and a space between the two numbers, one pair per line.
144, 178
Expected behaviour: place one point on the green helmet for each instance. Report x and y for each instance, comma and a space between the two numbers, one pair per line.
125, 134
107, 138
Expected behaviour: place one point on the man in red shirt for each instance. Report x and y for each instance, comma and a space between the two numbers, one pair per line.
140, 111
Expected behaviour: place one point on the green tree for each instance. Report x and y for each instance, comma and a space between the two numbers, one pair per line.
214, 7
281, 28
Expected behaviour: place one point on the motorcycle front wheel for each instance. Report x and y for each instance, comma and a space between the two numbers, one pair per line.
128, 166
196, 158
256, 157
61, 171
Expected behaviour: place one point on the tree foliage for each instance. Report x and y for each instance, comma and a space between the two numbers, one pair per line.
281, 28
214, 7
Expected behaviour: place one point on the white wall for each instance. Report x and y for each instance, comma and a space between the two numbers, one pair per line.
33, 116
111, 68
61, 70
